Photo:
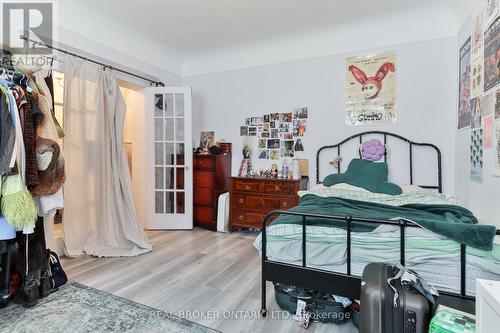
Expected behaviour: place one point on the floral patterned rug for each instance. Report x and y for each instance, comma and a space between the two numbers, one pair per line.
78, 308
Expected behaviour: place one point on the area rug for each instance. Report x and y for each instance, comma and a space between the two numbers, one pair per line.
78, 308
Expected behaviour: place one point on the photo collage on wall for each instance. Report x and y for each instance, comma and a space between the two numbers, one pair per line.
279, 134
479, 88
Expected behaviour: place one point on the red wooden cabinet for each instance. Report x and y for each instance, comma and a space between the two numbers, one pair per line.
210, 179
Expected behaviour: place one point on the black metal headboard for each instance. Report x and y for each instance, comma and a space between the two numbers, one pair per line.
384, 135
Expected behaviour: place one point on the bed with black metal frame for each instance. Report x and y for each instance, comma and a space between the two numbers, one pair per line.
346, 284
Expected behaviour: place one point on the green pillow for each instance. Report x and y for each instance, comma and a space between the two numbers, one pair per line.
365, 174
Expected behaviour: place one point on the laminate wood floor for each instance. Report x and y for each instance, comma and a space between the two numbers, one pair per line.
195, 271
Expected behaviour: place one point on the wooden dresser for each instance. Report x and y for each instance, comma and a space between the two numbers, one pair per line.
253, 198
210, 179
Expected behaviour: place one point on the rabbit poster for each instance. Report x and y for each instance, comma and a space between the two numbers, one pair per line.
371, 90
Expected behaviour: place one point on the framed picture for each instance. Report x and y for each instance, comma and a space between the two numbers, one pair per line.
207, 139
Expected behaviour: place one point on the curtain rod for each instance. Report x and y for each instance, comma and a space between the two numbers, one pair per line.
157, 83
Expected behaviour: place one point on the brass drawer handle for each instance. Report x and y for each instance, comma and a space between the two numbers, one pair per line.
240, 218
277, 188
247, 187
240, 201
285, 204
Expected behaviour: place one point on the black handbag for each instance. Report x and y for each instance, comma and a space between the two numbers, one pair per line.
58, 276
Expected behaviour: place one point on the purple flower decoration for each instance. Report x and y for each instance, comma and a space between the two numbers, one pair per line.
372, 150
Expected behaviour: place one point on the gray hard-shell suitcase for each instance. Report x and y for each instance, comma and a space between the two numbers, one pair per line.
381, 312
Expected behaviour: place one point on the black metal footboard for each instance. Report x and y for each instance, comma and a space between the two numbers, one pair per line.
346, 284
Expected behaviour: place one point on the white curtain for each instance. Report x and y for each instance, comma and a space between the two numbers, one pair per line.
99, 215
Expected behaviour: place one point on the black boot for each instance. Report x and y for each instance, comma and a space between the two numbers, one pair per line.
30, 271
46, 276
30, 289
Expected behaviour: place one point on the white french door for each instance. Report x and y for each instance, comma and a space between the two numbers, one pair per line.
169, 192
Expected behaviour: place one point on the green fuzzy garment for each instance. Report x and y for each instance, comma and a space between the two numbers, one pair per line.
17, 204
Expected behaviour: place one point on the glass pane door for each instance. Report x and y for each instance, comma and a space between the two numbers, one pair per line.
171, 172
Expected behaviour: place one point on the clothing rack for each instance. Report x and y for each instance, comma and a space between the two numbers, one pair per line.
152, 82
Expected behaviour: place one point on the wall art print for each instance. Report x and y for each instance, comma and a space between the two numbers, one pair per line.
489, 128
371, 90
464, 86
477, 35
488, 103
491, 8
492, 55
496, 169
477, 77
476, 155
475, 109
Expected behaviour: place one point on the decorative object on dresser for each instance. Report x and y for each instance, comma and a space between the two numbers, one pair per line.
210, 179
253, 197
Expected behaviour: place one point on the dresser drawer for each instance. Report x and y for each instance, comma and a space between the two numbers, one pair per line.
278, 188
204, 163
260, 202
204, 179
245, 219
246, 185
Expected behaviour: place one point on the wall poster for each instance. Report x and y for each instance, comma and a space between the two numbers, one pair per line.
476, 155
490, 10
489, 102
496, 169
475, 111
492, 55
489, 127
371, 90
477, 77
477, 35
464, 86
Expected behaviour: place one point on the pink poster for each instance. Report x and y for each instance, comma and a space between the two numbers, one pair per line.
488, 132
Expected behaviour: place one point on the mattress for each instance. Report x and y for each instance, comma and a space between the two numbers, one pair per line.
435, 258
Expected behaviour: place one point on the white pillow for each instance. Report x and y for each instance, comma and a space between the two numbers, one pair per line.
411, 188
345, 186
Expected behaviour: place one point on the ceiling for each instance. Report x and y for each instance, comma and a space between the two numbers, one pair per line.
199, 26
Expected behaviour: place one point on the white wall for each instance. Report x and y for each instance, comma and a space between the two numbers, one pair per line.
92, 31
481, 198
426, 103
